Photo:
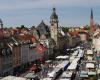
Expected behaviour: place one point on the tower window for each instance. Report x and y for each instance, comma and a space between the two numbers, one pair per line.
52, 24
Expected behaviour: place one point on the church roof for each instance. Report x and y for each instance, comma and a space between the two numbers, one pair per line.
42, 24
43, 28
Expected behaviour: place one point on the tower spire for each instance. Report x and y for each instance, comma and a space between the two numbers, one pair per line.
91, 22
91, 14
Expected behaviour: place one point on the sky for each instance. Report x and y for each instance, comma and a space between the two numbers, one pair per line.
31, 12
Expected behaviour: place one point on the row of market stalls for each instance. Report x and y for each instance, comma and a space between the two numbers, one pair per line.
88, 71
67, 66
73, 68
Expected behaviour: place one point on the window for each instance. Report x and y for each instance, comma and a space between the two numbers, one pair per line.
4, 52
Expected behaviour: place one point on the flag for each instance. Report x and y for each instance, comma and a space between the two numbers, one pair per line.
41, 49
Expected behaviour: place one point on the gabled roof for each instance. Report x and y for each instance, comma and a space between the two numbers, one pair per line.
25, 38
42, 28
42, 25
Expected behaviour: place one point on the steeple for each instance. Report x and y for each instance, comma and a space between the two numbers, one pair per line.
91, 14
1, 24
1, 29
91, 22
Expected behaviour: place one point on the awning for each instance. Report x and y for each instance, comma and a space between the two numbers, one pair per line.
89, 65
46, 78
83, 75
62, 57
98, 71
91, 73
96, 33
63, 64
65, 79
51, 74
66, 74
84, 72
48, 61
72, 66
30, 75
89, 52
13, 78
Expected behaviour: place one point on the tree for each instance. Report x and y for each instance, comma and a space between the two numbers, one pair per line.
23, 27
87, 27
65, 29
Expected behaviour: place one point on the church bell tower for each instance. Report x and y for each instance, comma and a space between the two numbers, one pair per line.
54, 25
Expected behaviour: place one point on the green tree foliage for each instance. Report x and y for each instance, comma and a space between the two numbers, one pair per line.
65, 29
23, 27
87, 27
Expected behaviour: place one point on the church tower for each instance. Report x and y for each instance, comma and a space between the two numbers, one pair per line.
91, 22
1, 29
54, 25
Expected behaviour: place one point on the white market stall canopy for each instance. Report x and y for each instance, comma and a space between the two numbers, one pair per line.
76, 60
72, 58
63, 64
72, 66
75, 53
65, 79
62, 57
78, 47
91, 73
66, 74
51, 74
90, 65
80, 55
83, 75
46, 79
98, 71
13, 78
48, 61
30, 75
89, 52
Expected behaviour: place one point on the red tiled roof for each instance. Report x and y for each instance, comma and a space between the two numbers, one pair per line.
24, 37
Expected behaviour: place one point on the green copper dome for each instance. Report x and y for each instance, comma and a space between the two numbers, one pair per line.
54, 15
